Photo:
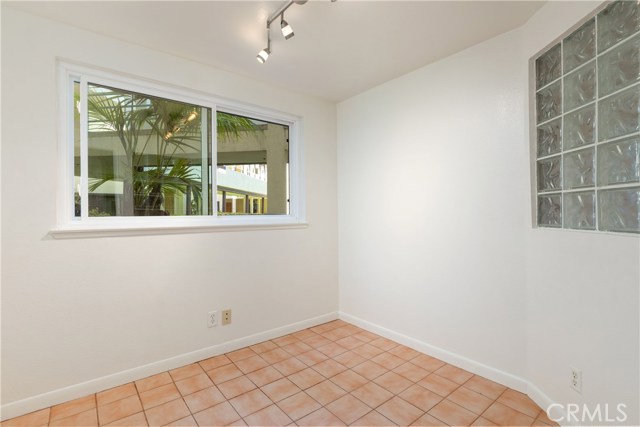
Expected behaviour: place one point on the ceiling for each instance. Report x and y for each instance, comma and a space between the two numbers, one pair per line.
339, 50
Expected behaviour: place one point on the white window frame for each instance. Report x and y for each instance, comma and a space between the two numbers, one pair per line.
69, 226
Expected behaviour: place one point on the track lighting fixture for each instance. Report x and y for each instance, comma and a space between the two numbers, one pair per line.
287, 31
263, 55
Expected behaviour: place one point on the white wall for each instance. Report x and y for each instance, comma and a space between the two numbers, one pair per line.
76, 310
435, 234
581, 288
431, 204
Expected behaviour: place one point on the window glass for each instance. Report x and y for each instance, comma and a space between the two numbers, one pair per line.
142, 151
145, 154
253, 166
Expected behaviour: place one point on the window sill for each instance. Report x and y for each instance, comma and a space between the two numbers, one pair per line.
146, 226
634, 234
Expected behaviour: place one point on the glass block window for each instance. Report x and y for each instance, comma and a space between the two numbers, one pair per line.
587, 112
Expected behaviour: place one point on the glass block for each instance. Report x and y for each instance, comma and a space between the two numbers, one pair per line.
550, 210
579, 210
619, 114
619, 210
579, 127
549, 178
549, 102
620, 67
578, 169
619, 162
580, 46
548, 67
617, 22
550, 138
580, 87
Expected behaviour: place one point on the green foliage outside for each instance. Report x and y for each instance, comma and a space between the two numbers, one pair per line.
154, 133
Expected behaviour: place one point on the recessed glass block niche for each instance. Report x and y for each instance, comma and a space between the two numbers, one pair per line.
587, 124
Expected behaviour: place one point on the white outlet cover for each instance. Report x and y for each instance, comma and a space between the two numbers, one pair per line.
212, 319
575, 379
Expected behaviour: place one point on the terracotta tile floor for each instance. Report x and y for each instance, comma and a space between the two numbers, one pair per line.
333, 374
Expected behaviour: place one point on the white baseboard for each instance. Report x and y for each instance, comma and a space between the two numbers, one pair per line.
545, 402
460, 361
54, 397
470, 365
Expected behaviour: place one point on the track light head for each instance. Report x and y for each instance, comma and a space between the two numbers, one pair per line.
263, 55
287, 31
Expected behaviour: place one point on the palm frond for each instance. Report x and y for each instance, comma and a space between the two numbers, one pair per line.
231, 126
149, 127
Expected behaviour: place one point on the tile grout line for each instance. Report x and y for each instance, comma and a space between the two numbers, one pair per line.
95, 401
49, 417
144, 413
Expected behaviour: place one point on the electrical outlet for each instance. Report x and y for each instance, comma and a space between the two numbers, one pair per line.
212, 319
576, 379
226, 317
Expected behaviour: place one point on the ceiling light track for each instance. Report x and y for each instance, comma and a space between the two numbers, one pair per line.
287, 31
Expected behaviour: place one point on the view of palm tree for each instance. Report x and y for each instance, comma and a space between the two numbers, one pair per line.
150, 156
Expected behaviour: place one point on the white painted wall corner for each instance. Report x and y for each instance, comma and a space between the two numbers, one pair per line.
475, 367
